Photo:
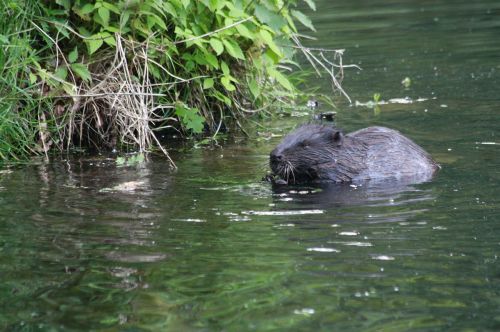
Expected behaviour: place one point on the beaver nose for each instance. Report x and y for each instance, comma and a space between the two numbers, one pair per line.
276, 157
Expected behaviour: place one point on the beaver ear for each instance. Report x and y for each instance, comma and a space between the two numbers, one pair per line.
338, 137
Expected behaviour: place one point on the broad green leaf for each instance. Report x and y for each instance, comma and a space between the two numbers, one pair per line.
81, 70
87, 9
311, 4
125, 16
303, 19
94, 43
190, 117
212, 60
233, 49
104, 15
281, 79
111, 7
270, 18
108, 38
208, 83
73, 55
268, 39
225, 68
243, 30
167, 6
217, 46
223, 98
226, 82
61, 73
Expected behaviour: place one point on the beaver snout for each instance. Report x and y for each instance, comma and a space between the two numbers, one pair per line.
276, 157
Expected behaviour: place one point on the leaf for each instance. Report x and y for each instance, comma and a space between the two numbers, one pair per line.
254, 87
268, 39
61, 73
281, 79
65, 3
243, 30
270, 18
125, 16
86, 9
311, 4
303, 19
94, 42
108, 39
212, 60
111, 7
81, 70
217, 46
190, 117
104, 15
225, 68
233, 49
226, 82
73, 55
208, 83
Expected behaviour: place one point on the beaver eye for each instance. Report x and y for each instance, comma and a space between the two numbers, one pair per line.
304, 144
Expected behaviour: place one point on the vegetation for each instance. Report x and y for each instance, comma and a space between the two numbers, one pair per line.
110, 73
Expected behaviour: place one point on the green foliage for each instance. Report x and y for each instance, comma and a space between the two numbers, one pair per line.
132, 160
205, 58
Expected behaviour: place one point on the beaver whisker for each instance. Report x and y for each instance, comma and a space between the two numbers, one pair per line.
291, 169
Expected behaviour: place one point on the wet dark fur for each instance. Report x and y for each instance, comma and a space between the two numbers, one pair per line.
322, 153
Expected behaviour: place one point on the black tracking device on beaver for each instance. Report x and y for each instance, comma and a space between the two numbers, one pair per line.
321, 153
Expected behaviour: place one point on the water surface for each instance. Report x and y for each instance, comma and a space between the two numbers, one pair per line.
87, 245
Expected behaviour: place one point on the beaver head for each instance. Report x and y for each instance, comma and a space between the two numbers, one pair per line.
301, 154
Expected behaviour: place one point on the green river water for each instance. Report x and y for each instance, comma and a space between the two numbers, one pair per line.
212, 248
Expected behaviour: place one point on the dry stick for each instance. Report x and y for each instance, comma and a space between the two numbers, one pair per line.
335, 81
57, 48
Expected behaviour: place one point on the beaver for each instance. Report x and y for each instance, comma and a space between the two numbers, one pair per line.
321, 153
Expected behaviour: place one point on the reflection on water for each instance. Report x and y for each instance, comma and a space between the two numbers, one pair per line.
87, 245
